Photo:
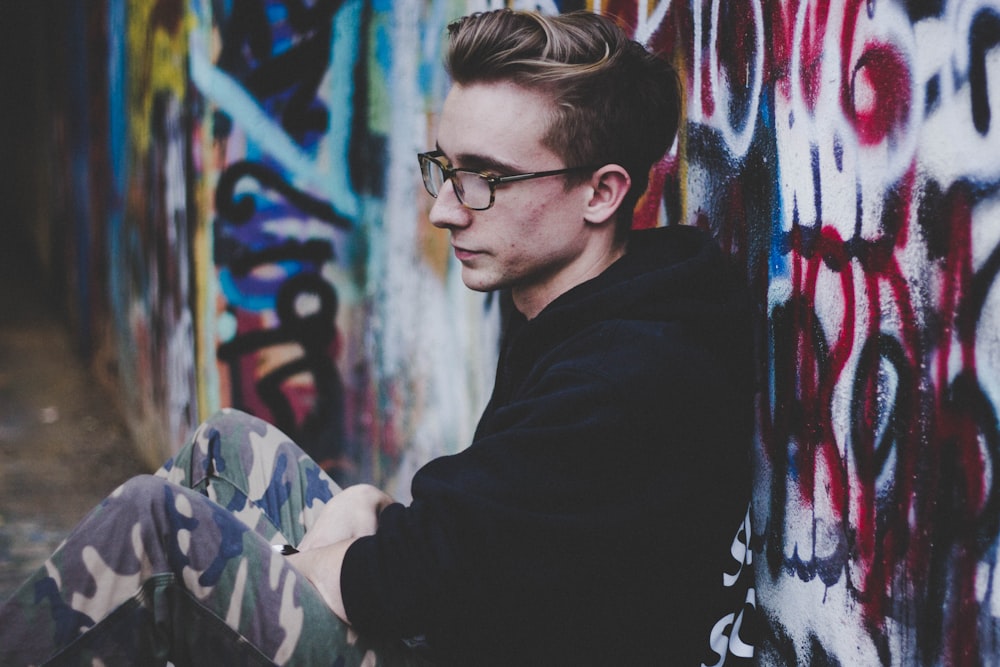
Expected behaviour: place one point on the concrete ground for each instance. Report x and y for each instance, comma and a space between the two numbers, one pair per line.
63, 445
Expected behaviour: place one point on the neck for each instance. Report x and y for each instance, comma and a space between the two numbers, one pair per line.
531, 302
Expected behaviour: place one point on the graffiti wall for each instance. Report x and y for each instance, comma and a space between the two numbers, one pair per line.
334, 313
254, 184
149, 222
846, 152
842, 151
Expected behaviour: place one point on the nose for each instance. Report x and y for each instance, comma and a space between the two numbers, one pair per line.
447, 212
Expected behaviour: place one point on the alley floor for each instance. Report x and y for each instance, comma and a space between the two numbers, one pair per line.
63, 444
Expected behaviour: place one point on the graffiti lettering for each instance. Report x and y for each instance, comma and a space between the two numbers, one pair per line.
868, 148
266, 272
984, 36
281, 62
239, 209
307, 308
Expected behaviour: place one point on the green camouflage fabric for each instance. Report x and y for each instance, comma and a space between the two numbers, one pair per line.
179, 567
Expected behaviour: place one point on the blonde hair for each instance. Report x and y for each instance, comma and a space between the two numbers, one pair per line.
614, 101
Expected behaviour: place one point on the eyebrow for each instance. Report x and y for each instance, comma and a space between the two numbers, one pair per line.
478, 162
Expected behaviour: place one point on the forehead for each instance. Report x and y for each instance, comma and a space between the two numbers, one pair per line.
497, 121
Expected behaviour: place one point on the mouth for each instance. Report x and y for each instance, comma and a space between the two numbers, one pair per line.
463, 254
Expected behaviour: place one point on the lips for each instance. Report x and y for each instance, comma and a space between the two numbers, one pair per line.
463, 255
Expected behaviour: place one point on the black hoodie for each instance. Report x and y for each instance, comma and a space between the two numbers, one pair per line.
593, 517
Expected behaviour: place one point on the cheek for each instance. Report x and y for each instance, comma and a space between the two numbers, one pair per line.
534, 225
547, 225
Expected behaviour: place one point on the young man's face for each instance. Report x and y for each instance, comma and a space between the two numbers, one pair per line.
534, 239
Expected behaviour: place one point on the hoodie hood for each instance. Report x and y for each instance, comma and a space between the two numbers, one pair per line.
664, 269
668, 274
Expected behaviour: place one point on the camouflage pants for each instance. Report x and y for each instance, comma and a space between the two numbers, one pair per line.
179, 567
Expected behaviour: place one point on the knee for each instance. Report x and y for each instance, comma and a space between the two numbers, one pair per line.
228, 418
226, 447
218, 439
140, 492
139, 500
153, 502
146, 520
230, 428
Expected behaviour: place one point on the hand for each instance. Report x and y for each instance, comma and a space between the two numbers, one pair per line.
352, 513
321, 566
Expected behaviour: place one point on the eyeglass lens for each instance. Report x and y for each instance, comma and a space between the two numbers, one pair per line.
472, 189
433, 175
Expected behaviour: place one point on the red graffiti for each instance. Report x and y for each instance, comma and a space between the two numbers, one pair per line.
922, 534
879, 100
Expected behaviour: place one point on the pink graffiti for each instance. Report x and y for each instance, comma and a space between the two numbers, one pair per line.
873, 419
879, 93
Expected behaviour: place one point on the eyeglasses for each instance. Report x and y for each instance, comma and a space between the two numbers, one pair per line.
475, 190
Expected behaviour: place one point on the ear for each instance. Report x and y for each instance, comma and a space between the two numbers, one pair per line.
609, 185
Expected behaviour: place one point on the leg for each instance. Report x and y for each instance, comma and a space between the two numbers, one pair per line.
256, 472
158, 572
93, 593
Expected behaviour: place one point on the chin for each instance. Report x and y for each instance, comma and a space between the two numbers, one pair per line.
480, 283
480, 287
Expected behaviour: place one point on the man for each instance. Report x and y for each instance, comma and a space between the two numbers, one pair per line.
598, 516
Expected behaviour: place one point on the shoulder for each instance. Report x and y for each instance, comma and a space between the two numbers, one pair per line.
633, 353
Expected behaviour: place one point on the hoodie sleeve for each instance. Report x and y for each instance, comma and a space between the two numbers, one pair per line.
498, 515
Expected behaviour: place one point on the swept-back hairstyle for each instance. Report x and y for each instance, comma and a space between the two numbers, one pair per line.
615, 102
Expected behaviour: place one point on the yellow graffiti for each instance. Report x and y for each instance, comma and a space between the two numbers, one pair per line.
157, 61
